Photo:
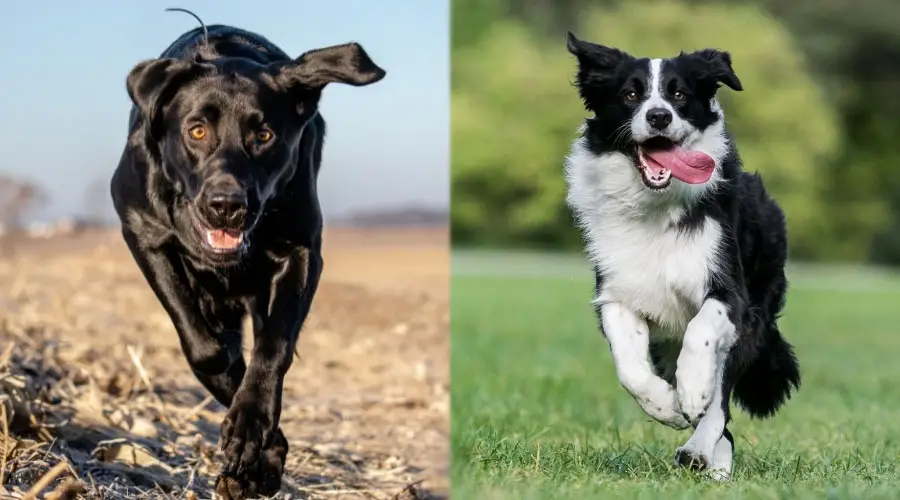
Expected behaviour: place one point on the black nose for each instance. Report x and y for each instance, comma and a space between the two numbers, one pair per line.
659, 118
227, 209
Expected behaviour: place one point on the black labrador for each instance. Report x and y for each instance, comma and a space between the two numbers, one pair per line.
216, 192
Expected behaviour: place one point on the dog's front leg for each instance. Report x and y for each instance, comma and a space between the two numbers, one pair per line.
214, 356
629, 340
255, 448
707, 341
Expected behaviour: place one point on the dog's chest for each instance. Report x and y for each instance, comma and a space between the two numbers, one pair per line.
660, 272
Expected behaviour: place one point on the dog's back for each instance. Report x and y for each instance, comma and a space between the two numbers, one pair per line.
225, 41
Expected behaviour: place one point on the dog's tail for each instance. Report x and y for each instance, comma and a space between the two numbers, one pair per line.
771, 377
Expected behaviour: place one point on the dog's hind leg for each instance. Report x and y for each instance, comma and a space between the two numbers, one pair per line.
722, 458
698, 453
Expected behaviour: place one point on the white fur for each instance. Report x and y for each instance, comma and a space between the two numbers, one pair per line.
705, 447
652, 268
707, 341
655, 276
723, 458
641, 130
629, 340
699, 374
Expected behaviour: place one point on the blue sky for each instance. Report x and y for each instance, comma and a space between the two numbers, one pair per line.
64, 108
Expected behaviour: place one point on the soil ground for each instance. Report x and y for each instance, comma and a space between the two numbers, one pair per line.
92, 375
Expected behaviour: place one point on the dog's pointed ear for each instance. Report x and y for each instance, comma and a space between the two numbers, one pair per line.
150, 83
592, 56
348, 63
598, 67
716, 65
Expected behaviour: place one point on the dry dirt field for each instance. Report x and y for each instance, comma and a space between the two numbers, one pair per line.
97, 400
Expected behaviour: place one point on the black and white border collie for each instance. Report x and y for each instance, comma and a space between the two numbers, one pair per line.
688, 250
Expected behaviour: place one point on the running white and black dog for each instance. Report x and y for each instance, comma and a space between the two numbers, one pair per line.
688, 250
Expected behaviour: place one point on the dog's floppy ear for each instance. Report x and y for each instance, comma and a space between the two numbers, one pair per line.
151, 83
597, 69
594, 57
347, 63
715, 65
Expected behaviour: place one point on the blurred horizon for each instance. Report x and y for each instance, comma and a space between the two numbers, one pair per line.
65, 107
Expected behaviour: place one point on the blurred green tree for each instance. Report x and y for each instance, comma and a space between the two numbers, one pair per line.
515, 113
854, 48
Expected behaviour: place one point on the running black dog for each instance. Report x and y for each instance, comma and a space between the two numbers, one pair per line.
216, 192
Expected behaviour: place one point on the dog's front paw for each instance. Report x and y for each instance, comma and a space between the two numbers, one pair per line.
271, 467
235, 487
660, 402
247, 429
673, 420
263, 479
694, 402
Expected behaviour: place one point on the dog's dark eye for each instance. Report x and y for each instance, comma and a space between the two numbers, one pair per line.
678, 95
264, 136
197, 132
631, 96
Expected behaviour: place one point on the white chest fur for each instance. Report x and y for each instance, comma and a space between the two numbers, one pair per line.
649, 265
661, 274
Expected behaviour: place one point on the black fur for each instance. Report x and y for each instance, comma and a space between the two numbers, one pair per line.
175, 186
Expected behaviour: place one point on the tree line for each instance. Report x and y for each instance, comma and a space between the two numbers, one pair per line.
817, 118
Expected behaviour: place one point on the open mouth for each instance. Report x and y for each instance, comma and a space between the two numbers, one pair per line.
220, 241
660, 159
223, 240
654, 174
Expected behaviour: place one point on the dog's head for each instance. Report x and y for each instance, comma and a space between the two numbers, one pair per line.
661, 113
227, 132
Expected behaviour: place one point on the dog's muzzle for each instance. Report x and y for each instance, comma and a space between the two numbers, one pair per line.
223, 215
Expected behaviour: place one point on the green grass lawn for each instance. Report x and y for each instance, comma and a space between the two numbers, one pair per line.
537, 411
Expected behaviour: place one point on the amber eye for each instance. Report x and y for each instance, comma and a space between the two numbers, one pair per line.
197, 132
679, 95
631, 96
264, 136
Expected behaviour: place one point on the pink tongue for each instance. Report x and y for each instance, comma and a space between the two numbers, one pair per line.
692, 167
222, 239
